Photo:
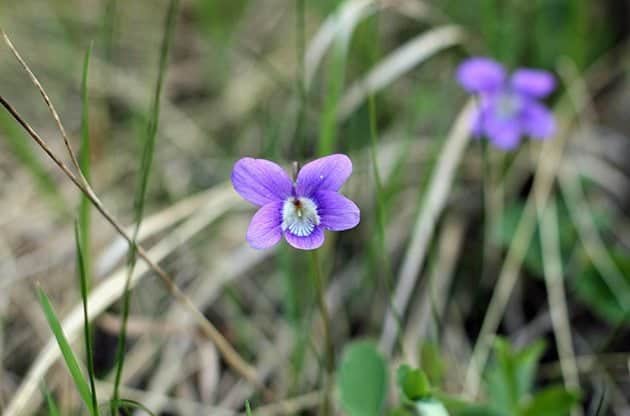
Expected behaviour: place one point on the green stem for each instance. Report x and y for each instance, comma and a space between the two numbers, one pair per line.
319, 283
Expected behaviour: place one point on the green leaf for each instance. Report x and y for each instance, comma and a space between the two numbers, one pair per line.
592, 289
459, 407
66, 351
413, 383
512, 376
553, 401
362, 380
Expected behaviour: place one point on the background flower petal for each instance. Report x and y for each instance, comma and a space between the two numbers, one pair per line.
481, 75
264, 230
336, 212
326, 173
504, 134
533, 82
538, 122
313, 241
260, 181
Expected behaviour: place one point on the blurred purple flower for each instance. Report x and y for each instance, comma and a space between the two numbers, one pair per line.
300, 210
508, 108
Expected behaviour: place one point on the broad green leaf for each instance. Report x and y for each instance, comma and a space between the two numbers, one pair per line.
512, 375
362, 380
413, 383
459, 407
553, 401
66, 351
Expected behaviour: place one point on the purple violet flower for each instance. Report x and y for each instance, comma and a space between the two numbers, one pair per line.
508, 108
301, 210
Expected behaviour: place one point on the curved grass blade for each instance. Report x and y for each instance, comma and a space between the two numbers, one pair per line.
145, 170
132, 404
66, 351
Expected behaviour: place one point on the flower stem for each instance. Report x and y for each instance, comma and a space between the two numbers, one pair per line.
319, 283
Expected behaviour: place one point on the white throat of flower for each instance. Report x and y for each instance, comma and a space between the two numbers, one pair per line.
508, 104
299, 216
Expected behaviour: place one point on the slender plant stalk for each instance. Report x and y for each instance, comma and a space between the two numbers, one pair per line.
320, 283
83, 280
145, 169
84, 164
300, 12
381, 208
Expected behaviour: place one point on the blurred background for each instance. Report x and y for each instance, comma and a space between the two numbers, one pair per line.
449, 225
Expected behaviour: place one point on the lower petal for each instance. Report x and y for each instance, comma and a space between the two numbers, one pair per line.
504, 134
264, 230
538, 122
311, 242
336, 212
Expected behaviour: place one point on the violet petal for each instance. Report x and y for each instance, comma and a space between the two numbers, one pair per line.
481, 75
326, 173
538, 122
260, 181
313, 241
533, 82
504, 134
336, 212
264, 230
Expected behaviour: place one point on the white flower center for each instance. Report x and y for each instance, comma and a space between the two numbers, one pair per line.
508, 105
299, 216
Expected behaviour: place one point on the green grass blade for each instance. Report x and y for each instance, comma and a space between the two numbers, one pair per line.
53, 409
66, 351
381, 203
83, 280
334, 88
248, 409
132, 404
145, 170
84, 163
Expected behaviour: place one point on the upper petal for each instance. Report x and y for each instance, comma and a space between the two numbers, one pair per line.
481, 75
336, 212
538, 122
326, 173
533, 82
311, 242
264, 230
260, 181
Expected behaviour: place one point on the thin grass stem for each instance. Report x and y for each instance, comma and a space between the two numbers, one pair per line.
319, 283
